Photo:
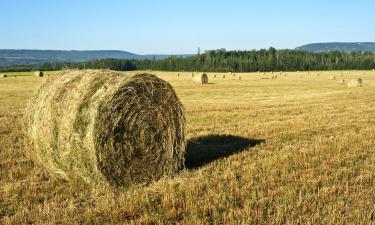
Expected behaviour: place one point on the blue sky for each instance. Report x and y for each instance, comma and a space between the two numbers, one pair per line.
172, 26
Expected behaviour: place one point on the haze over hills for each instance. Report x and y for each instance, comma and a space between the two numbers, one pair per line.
28, 57
339, 46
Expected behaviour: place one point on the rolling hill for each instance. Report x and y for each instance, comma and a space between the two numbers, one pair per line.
339, 46
28, 57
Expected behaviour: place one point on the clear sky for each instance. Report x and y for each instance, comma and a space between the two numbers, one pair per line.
176, 26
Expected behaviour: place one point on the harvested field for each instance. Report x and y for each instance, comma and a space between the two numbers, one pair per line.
293, 150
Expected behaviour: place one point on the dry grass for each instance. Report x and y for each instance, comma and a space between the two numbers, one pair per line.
316, 165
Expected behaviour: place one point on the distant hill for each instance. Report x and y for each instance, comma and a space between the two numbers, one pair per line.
339, 46
29, 57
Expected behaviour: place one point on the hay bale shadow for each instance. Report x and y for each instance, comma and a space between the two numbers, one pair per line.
205, 149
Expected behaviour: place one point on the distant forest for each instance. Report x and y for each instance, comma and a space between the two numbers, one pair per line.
225, 61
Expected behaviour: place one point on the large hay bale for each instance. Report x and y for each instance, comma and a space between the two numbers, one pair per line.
200, 78
101, 125
355, 83
38, 74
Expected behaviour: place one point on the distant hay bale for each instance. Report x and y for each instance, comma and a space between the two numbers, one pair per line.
355, 83
214, 75
332, 78
107, 127
4, 75
178, 74
224, 76
38, 74
200, 78
341, 81
239, 78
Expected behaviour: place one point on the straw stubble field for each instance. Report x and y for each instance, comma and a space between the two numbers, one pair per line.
295, 149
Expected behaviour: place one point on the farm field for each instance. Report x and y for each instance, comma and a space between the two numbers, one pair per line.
296, 149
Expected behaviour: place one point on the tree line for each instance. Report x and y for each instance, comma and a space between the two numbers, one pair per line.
226, 61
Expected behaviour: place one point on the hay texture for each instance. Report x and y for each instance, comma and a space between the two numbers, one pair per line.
200, 78
355, 83
38, 74
101, 125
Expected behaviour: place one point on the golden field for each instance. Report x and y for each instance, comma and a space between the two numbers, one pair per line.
298, 149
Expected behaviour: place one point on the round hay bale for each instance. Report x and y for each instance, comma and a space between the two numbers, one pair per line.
200, 78
38, 74
332, 78
224, 76
178, 74
214, 75
341, 81
105, 126
239, 78
355, 83
4, 75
